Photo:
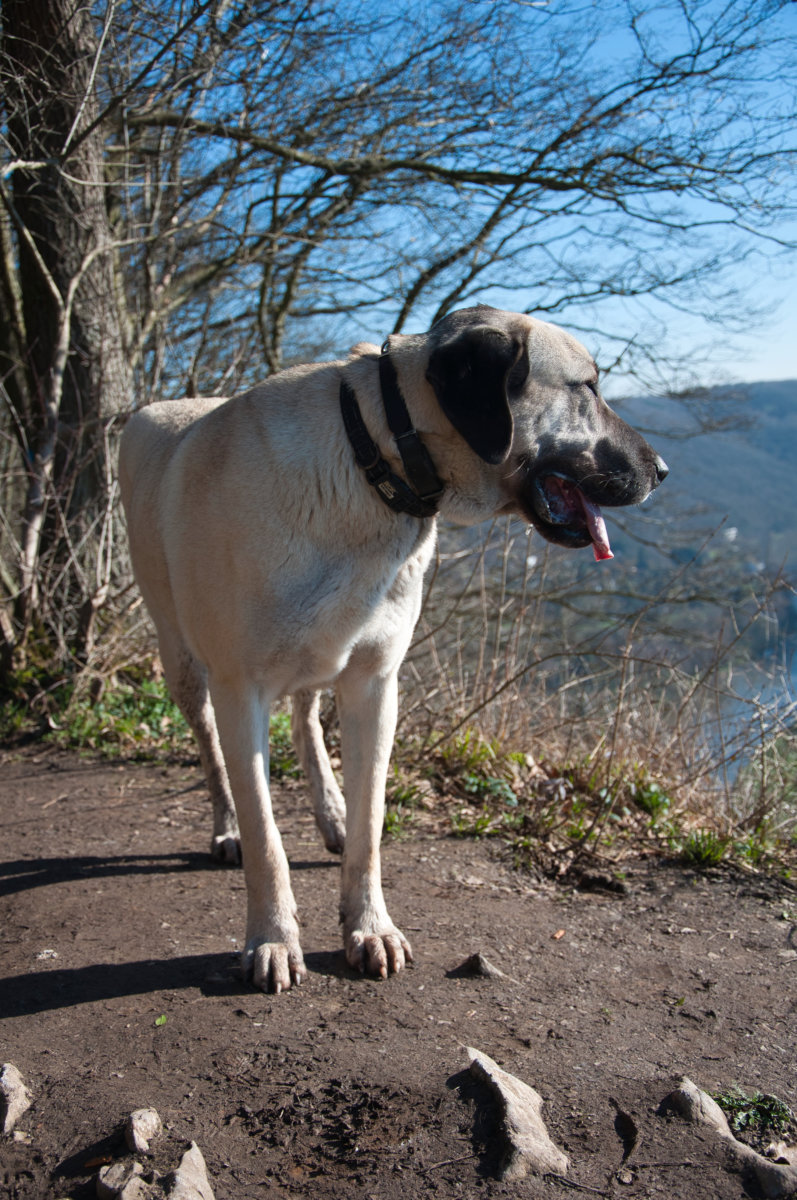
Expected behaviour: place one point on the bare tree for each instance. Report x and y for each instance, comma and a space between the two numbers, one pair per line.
345, 166
65, 351
195, 193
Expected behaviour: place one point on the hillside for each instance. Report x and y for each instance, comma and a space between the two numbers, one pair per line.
744, 476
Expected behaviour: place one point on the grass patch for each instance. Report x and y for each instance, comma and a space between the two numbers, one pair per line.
704, 848
756, 1116
134, 718
553, 814
137, 720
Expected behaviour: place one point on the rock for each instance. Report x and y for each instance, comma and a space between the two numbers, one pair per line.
121, 1181
698, 1107
15, 1099
137, 1189
191, 1178
141, 1126
529, 1146
477, 964
777, 1182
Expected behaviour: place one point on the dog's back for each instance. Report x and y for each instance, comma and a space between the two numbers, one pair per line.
148, 446
150, 440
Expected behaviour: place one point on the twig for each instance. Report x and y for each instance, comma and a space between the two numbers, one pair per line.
447, 1162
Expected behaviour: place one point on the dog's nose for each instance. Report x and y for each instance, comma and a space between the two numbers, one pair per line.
662, 470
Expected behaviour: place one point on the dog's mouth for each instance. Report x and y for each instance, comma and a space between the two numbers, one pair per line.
562, 513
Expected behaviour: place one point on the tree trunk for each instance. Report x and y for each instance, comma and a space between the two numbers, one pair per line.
77, 375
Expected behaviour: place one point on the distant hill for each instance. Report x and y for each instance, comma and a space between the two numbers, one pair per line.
729, 503
747, 474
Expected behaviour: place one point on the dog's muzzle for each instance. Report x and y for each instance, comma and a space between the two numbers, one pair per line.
568, 513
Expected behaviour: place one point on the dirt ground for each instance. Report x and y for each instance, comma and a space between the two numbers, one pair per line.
113, 918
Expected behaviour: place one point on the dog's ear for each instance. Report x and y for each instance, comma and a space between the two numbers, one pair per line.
469, 374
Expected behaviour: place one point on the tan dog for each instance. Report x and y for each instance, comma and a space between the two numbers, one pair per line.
272, 565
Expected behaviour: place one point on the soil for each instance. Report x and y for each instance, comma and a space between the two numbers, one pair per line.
119, 991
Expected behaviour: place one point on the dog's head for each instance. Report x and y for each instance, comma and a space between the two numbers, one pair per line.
524, 395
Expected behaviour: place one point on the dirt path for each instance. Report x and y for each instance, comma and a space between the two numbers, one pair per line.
112, 917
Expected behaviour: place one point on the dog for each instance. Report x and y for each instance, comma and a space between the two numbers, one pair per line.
280, 540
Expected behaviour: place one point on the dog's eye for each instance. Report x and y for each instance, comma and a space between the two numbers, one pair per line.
590, 384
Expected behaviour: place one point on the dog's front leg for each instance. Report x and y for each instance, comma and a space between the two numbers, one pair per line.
272, 954
367, 708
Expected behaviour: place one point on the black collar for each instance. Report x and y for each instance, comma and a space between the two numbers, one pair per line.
419, 498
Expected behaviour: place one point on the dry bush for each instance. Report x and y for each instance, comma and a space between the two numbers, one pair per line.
590, 666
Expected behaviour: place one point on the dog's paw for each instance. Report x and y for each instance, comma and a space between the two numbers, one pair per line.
226, 848
381, 953
274, 966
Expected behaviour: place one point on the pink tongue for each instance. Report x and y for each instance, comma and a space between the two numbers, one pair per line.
597, 528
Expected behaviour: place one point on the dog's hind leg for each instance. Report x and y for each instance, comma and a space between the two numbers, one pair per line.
328, 802
272, 954
188, 683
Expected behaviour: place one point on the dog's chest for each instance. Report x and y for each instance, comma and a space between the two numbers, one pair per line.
363, 603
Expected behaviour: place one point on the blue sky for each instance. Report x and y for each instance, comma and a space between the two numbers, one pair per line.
769, 351
633, 257
755, 334
765, 350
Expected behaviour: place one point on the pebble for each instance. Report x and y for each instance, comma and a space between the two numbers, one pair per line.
141, 1126
477, 964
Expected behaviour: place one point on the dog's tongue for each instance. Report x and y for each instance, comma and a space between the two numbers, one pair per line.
597, 528
564, 499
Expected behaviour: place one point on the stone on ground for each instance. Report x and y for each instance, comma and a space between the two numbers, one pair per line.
191, 1178
15, 1099
530, 1147
140, 1128
121, 1181
477, 964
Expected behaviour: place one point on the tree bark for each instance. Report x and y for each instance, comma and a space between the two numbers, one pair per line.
77, 375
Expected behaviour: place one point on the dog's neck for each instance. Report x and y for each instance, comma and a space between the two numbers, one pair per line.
418, 466
420, 494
